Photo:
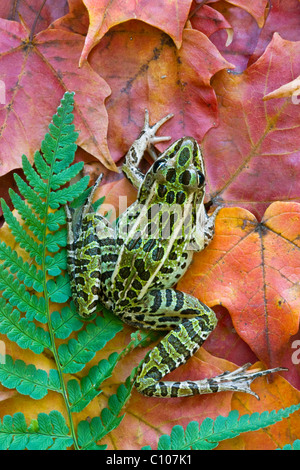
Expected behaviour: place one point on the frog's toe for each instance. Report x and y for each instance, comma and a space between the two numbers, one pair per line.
151, 130
239, 380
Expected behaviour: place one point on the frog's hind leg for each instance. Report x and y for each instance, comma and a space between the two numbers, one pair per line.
192, 322
71, 257
74, 217
87, 234
87, 206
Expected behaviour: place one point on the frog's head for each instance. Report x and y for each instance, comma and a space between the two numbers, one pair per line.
177, 174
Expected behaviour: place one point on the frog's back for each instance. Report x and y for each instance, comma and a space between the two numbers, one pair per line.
156, 230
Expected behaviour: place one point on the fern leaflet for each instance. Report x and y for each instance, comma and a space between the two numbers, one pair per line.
47, 432
294, 446
208, 435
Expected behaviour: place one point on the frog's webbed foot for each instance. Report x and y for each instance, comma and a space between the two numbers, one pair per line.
204, 230
237, 381
150, 131
145, 141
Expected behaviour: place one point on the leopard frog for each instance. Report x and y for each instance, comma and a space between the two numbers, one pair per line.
131, 268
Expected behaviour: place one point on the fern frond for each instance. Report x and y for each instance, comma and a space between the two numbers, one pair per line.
98, 428
15, 274
88, 433
59, 290
23, 332
34, 249
81, 394
294, 446
80, 200
65, 322
42, 167
59, 146
28, 380
18, 296
57, 263
56, 219
47, 432
65, 195
56, 240
31, 220
66, 175
39, 206
39, 186
76, 353
30, 275
211, 432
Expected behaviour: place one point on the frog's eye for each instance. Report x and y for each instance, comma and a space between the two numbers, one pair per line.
158, 164
201, 178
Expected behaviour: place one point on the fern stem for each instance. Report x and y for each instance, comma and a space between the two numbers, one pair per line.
59, 369
46, 296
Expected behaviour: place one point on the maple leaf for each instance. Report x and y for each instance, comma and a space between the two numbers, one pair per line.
161, 61
281, 394
208, 20
245, 34
105, 14
283, 18
35, 13
253, 270
45, 67
256, 143
160, 77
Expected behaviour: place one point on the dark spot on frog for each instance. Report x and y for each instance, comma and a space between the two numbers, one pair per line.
171, 175
184, 156
158, 253
170, 197
125, 272
185, 177
180, 197
162, 190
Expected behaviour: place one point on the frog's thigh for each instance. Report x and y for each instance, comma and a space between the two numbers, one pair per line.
191, 322
164, 309
167, 309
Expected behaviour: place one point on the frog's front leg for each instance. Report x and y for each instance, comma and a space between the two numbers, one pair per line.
146, 139
191, 322
204, 230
